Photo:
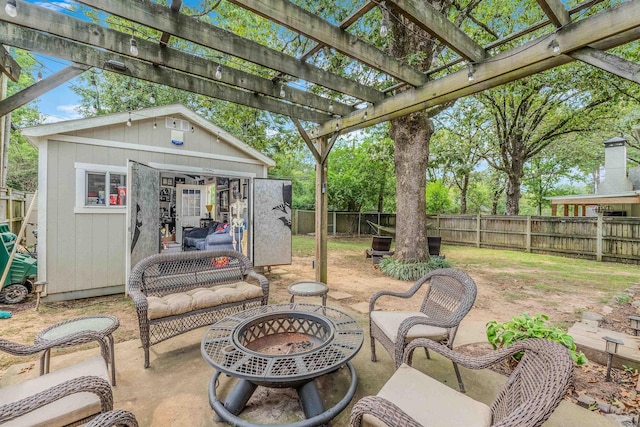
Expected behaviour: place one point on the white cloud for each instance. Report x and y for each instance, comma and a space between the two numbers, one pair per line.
69, 112
56, 5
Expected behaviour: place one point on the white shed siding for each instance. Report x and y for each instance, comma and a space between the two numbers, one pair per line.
85, 252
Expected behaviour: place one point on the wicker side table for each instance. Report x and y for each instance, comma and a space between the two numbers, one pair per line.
309, 289
101, 325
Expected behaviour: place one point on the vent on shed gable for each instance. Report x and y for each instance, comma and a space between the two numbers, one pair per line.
177, 124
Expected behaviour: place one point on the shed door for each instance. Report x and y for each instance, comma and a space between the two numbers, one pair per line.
271, 222
143, 218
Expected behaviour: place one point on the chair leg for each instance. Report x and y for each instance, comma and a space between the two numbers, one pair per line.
460, 384
373, 349
146, 357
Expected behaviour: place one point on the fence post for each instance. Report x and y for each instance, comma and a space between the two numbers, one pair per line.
599, 232
528, 239
335, 223
478, 231
294, 217
359, 218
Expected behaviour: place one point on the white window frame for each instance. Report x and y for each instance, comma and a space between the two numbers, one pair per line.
81, 188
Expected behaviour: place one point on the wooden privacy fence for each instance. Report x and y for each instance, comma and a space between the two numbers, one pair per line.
13, 207
602, 238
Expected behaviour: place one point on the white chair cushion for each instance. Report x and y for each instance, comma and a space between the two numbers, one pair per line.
61, 412
389, 322
195, 299
429, 402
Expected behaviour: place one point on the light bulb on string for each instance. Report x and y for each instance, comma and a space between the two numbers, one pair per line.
40, 75
555, 46
11, 8
219, 72
133, 46
129, 122
365, 116
282, 92
384, 28
155, 124
470, 73
331, 107
152, 98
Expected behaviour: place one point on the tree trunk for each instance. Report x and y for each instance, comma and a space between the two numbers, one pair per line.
464, 188
411, 135
514, 180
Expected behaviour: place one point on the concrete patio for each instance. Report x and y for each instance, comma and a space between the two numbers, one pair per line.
173, 391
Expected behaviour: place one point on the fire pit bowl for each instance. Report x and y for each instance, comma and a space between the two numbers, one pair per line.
283, 333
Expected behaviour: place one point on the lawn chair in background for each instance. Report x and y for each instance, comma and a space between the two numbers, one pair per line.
448, 299
532, 392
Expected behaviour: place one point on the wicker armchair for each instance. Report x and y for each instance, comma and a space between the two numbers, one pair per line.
447, 301
530, 395
53, 399
114, 418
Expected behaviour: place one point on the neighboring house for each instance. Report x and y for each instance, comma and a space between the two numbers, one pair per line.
617, 195
158, 169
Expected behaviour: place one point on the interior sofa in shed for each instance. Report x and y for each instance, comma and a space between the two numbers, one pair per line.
177, 292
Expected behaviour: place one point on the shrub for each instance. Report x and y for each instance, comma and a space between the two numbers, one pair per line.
523, 327
410, 270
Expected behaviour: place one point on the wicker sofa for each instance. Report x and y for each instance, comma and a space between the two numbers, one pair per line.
177, 292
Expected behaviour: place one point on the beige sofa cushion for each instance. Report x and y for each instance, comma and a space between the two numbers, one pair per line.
389, 322
199, 298
64, 411
429, 402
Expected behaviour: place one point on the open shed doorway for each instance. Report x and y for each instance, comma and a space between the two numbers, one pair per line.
190, 201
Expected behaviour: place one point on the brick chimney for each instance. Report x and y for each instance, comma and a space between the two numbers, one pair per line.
615, 167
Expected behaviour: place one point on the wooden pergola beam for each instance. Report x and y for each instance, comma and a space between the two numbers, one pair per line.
153, 15
175, 8
618, 25
62, 25
306, 23
80, 53
430, 20
608, 62
37, 89
349, 21
8, 65
555, 11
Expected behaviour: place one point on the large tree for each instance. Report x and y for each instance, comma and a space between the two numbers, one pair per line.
530, 114
411, 134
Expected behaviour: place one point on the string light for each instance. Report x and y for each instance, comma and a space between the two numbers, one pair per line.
152, 98
365, 115
219, 72
193, 129
384, 25
470, 72
133, 46
331, 107
11, 8
282, 92
155, 124
555, 46
218, 137
129, 122
40, 75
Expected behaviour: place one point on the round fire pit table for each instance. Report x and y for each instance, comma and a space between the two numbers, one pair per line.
282, 345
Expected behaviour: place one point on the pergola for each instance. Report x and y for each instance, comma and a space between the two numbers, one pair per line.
566, 35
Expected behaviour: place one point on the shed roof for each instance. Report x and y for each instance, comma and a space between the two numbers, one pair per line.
35, 133
631, 197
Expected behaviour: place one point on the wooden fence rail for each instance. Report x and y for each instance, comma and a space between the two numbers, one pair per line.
602, 238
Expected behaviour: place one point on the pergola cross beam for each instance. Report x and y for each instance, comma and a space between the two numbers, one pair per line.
435, 23
153, 15
555, 11
608, 62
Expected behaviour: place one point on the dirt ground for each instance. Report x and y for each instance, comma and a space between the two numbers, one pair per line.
502, 293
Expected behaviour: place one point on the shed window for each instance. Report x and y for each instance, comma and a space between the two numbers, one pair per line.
105, 189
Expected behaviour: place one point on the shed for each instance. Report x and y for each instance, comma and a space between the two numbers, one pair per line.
165, 167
